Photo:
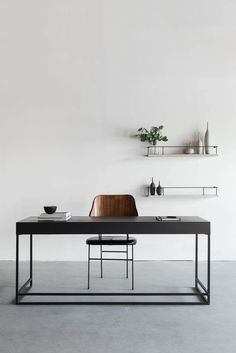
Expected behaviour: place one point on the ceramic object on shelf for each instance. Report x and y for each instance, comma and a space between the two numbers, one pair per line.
189, 150
152, 188
207, 141
159, 189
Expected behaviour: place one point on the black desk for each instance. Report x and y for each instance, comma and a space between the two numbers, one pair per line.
118, 225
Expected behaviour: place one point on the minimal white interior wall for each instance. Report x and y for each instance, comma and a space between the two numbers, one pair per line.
77, 78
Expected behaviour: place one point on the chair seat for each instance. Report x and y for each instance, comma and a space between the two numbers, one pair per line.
111, 240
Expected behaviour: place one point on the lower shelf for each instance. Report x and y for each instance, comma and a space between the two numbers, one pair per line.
183, 191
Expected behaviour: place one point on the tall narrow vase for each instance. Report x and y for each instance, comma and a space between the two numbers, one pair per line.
152, 188
206, 141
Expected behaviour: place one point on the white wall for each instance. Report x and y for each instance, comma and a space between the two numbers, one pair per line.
78, 77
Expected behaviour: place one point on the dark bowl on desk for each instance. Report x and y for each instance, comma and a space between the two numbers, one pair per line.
50, 209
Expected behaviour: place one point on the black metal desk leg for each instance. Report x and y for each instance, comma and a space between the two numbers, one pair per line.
31, 260
208, 266
17, 267
89, 266
196, 260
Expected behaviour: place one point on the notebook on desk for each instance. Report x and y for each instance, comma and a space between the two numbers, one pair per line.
168, 218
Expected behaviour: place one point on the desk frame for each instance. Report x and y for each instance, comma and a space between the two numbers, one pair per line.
201, 291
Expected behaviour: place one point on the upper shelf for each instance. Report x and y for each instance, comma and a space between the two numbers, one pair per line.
177, 151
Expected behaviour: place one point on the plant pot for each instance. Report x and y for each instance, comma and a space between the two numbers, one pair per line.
154, 149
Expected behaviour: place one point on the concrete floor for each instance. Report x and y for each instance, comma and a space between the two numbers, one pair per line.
118, 329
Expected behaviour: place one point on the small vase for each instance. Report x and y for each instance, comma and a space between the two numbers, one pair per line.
200, 149
152, 188
206, 141
159, 189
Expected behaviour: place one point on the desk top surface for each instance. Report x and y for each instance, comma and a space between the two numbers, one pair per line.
114, 225
137, 219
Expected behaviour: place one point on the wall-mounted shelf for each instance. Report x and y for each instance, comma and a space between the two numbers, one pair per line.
208, 191
177, 151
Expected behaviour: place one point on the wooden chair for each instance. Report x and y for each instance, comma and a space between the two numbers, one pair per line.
113, 206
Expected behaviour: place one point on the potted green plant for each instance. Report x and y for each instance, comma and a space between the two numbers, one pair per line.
152, 136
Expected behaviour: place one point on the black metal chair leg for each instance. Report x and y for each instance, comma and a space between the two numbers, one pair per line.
127, 257
101, 261
196, 261
127, 262
132, 267
88, 266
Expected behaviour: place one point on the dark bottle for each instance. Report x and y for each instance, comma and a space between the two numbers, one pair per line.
159, 189
152, 188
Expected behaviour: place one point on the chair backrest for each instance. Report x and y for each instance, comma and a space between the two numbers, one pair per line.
113, 206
